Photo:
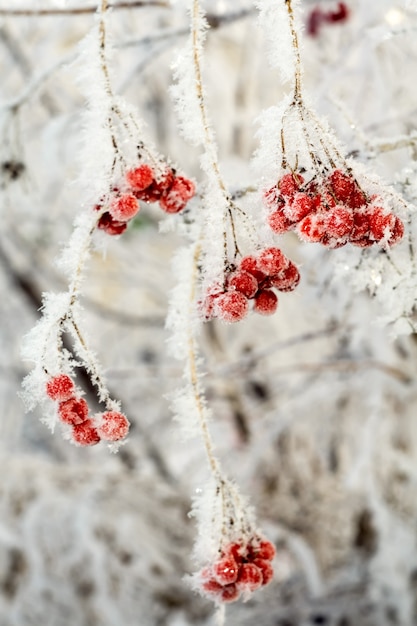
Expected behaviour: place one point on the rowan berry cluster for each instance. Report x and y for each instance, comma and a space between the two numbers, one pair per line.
317, 18
241, 569
73, 411
332, 210
254, 279
145, 184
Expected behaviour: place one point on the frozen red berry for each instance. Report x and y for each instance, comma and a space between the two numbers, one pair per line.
301, 205
361, 227
340, 222
273, 199
231, 306
343, 185
211, 586
381, 223
110, 225
85, 434
290, 183
140, 178
266, 302
265, 550
226, 570
278, 222
125, 207
271, 261
266, 570
244, 283
177, 196
286, 280
73, 411
158, 188
357, 199
112, 425
236, 551
60, 387
397, 232
250, 577
230, 593
312, 228
338, 15
250, 264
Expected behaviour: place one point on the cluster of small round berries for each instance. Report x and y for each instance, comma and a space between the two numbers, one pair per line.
318, 17
73, 410
333, 212
241, 569
254, 279
171, 191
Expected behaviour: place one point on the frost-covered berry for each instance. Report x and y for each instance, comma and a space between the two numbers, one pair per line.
273, 199
397, 232
312, 228
266, 570
112, 425
60, 387
226, 570
231, 306
265, 550
73, 411
158, 188
340, 222
211, 586
290, 183
278, 222
85, 434
250, 577
357, 199
230, 593
361, 227
381, 223
140, 178
250, 264
244, 283
343, 185
301, 205
125, 207
286, 280
272, 261
266, 302
177, 196
110, 225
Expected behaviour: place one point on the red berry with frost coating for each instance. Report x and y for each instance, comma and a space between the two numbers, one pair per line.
266, 302
73, 411
381, 223
231, 306
85, 434
177, 196
158, 188
290, 183
226, 570
110, 225
230, 593
357, 199
312, 228
343, 185
112, 425
60, 387
211, 586
397, 232
235, 550
272, 261
265, 551
250, 264
273, 199
340, 222
301, 205
124, 208
278, 222
140, 178
250, 577
244, 283
361, 228
287, 280
266, 570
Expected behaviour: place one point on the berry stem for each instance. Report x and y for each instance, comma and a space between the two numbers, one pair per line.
298, 98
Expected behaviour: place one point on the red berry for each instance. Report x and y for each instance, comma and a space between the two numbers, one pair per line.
273, 199
110, 225
266, 570
290, 183
244, 283
301, 205
235, 550
250, 577
361, 226
140, 178
211, 586
231, 306
265, 550
287, 280
272, 261
357, 199
60, 387
312, 228
382, 224
397, 232
177, 196
314, 22
73, 411
340, 222
225, 570
278, 222
250, 264
338, 15
124, 208
158, 188
343, 185
230, 593
85, 434
266, 302
112, 425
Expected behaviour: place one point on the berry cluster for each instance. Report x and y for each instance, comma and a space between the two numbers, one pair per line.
254, 279
318, 17
171, 191
241, 569
334, 211
73, 410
